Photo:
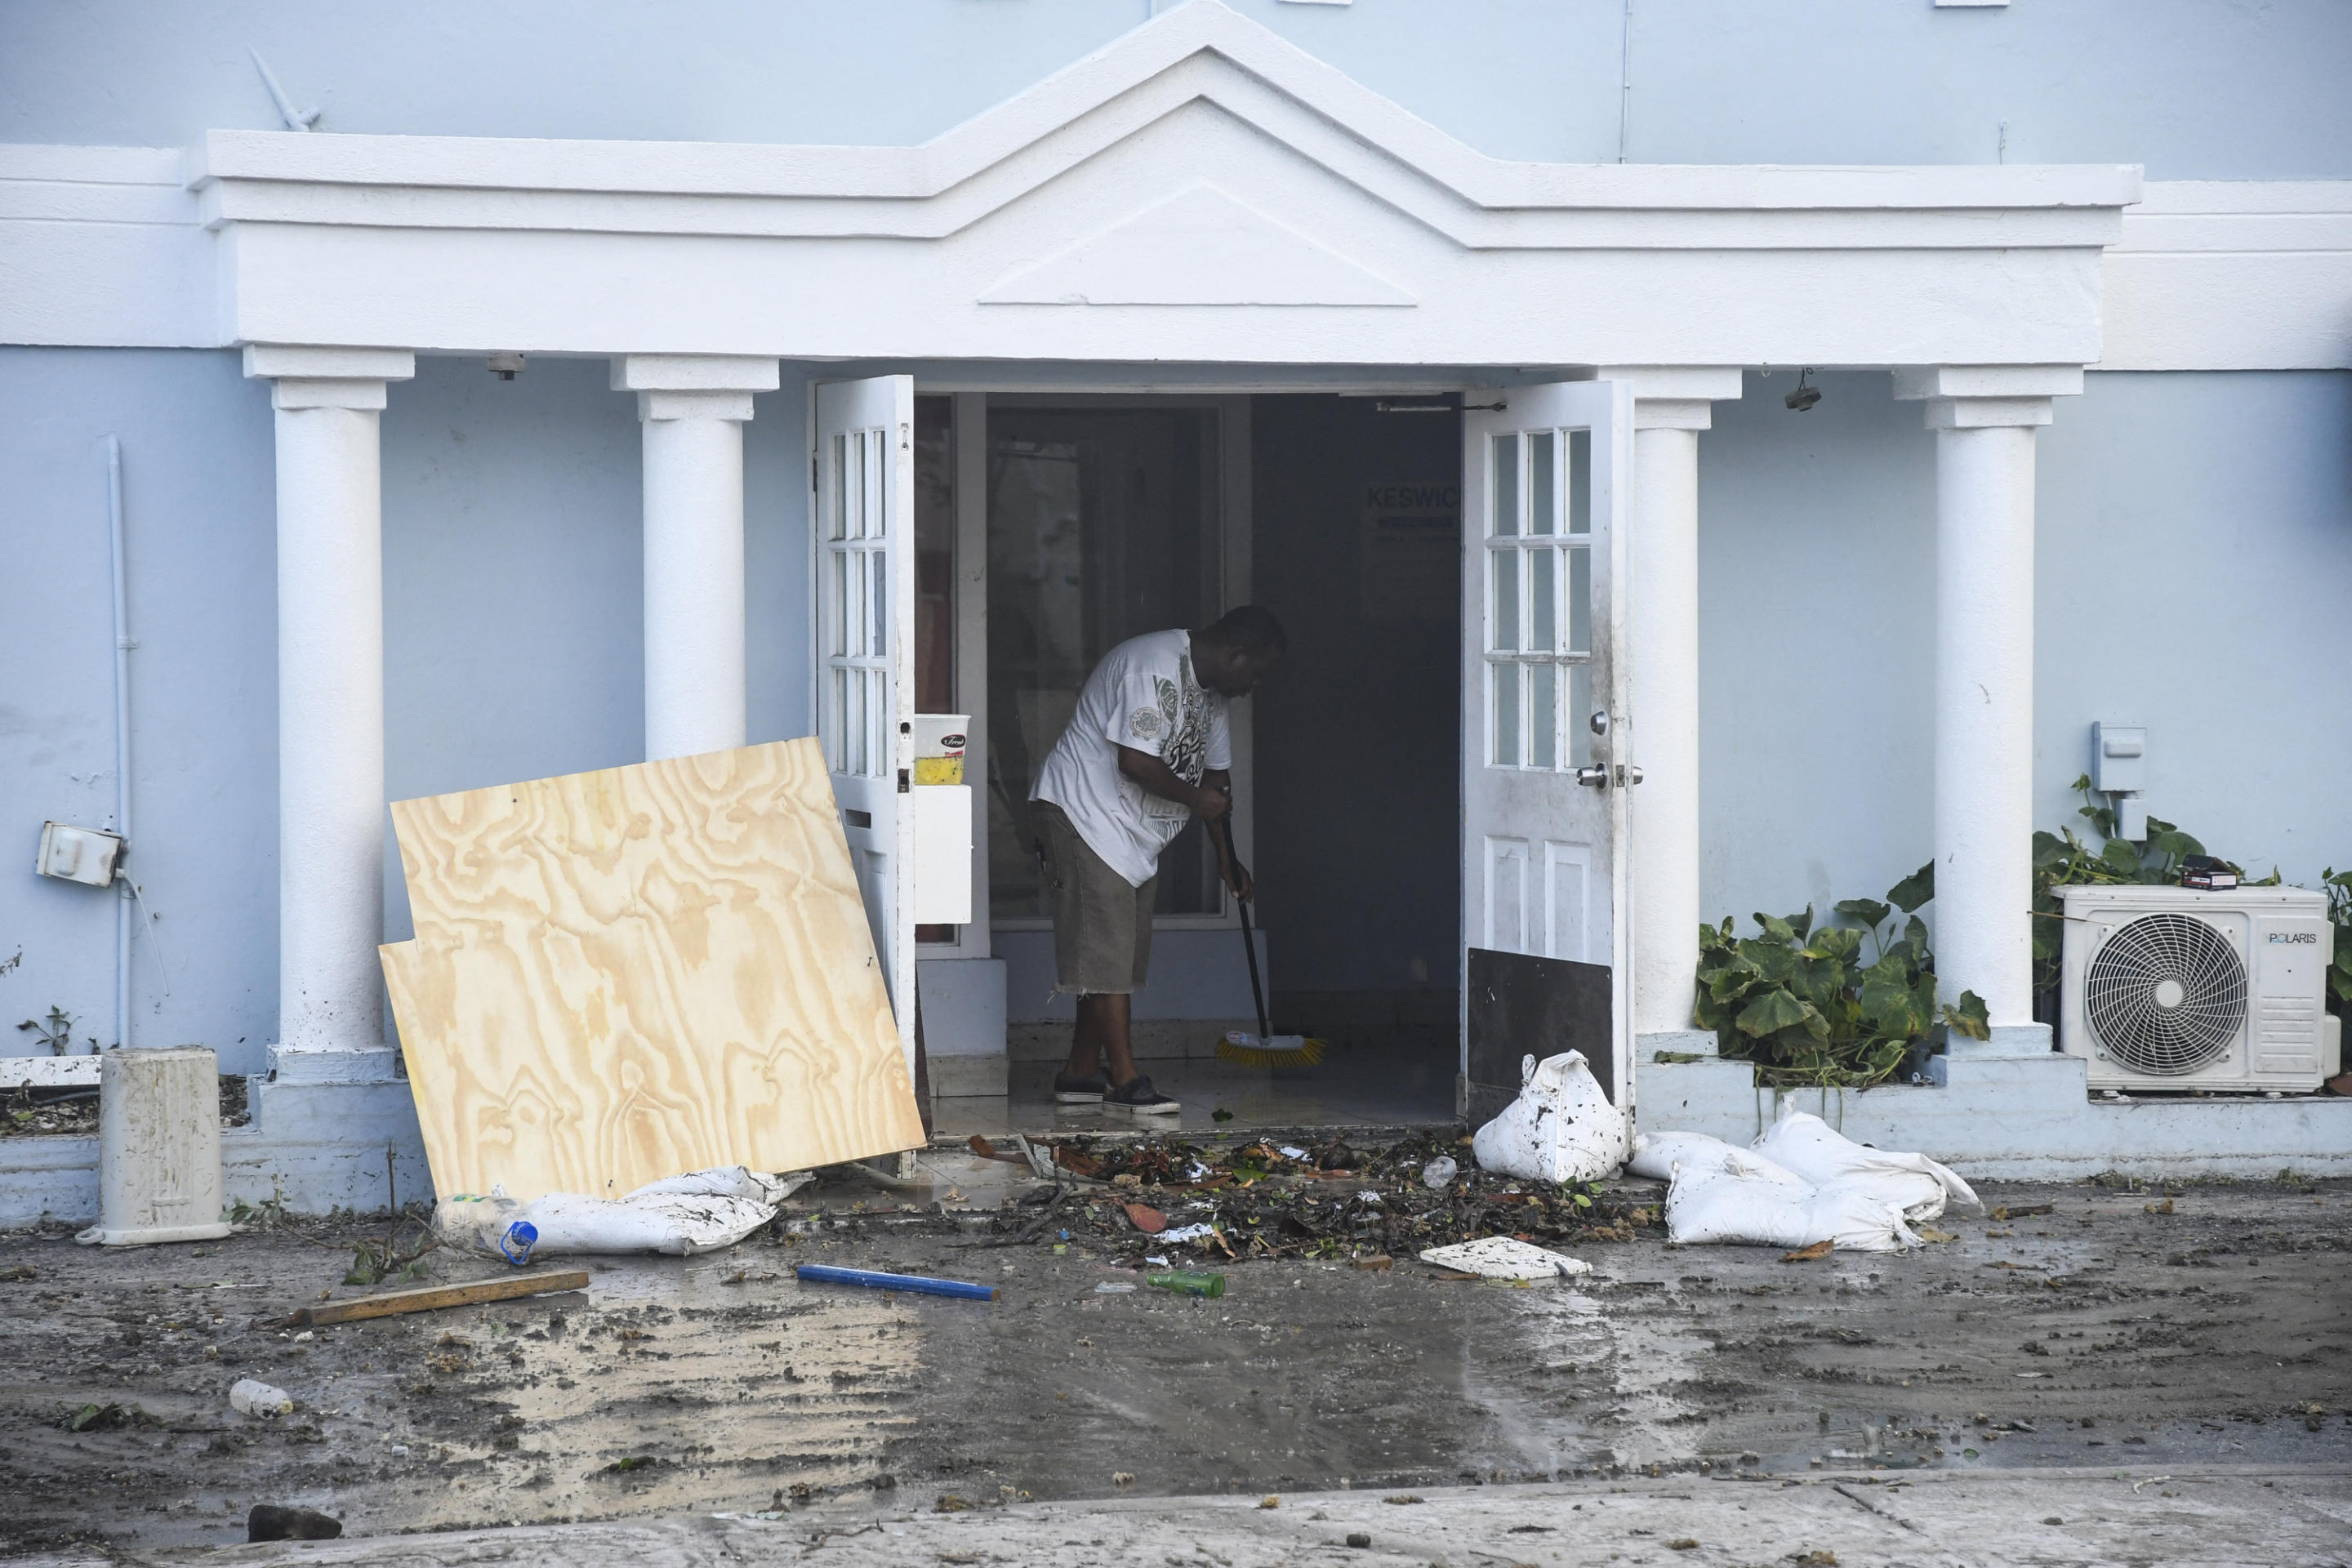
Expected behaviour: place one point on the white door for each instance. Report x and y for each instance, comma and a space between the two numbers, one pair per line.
1547, 482
866, 691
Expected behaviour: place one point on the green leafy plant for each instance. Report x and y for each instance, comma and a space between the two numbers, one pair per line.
2060, 859
2339, 912
1798, 998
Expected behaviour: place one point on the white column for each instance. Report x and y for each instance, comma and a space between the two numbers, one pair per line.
330, 704
1984, 418
1671, 407
693, 407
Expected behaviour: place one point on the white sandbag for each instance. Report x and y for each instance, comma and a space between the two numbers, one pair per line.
1658, 1155
1748, 1201
702, 1211
1814, 1150
1561, 1129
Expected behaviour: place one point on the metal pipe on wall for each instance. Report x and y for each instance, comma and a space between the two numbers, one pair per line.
122, 647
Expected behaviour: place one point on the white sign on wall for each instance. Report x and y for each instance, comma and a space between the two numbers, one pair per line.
1410, 553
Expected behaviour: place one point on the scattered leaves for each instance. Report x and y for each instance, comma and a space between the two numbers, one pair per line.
1812, 1254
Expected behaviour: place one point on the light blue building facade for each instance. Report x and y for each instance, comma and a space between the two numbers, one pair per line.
2147, 206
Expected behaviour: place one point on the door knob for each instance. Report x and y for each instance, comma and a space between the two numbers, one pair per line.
1593, 777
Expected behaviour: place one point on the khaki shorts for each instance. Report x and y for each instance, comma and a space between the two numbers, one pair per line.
1102, 927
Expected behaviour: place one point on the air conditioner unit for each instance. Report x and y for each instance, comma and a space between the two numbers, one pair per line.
2176, 988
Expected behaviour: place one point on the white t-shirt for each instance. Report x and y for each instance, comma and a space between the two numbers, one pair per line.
1142, 696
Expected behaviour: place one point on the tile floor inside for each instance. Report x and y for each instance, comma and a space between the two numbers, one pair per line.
1353, 1086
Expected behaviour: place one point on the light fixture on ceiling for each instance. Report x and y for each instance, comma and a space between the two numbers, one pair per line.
505, 366
1804, 397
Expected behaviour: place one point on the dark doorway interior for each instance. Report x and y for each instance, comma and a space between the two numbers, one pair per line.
1356, 524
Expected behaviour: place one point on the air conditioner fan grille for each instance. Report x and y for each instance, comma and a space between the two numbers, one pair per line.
2166, 994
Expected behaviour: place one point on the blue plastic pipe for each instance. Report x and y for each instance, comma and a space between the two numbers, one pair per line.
824, 1274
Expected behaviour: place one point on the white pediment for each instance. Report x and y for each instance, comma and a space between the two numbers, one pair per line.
1199, 246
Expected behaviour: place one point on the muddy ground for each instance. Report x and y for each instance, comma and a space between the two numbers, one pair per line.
2218, 1332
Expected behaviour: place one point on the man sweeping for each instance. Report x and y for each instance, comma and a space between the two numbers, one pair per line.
1146, 751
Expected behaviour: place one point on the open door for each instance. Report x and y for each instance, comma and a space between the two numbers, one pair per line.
1547, 474
865, 474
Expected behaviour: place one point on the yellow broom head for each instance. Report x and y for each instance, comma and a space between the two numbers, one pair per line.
1245, 1049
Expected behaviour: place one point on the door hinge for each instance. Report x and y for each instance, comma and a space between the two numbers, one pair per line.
812, 473
905, 441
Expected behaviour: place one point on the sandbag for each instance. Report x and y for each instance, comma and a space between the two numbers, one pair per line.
1561, 1129
1804, 1143
702, 1211
1658, 1155
1748, 1201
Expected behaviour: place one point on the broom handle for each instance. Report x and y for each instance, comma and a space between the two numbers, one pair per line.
1249, 943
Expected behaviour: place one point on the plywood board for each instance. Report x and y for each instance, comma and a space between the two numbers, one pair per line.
622, 975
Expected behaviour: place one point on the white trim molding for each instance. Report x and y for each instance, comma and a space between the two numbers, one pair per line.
2232, 275
1041, 229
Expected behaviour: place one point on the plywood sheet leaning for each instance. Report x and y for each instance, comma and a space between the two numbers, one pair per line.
622, 975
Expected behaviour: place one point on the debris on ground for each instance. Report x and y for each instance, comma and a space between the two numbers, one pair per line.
251, 1396
1266, 1199
435, 1298
270, 1521
1505, 1258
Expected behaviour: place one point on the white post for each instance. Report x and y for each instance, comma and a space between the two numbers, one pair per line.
693, 407
1984, 418
329, 705
1671, 407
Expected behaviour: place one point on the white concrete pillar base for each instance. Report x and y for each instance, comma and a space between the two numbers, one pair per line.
297, 1064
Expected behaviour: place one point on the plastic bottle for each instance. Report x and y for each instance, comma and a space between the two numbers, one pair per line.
1186, 1282
251, 1396
1439, 1172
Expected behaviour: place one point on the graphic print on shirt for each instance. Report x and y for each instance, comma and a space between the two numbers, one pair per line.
1184, 711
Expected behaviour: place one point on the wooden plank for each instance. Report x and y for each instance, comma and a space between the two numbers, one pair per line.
433, 1297
622, 975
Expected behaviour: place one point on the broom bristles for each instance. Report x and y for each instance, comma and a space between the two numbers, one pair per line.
1309, 1052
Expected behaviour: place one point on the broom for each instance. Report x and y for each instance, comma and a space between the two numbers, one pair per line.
1266, 1048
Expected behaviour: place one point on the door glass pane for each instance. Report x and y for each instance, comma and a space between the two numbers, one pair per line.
1506, 485
1578, 482
935, 685
837, 750
878, 563
1543, 494
1505, 708
1543, 715
1502, 617
855, 719
876, 486
852, 485
840, 488
1103, 524
880, 710
1580, 600
1579, 715
1543, 600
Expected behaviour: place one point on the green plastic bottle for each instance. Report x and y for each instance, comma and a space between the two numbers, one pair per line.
1186, 1282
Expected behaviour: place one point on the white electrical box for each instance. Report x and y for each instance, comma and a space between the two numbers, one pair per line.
86, 855
2119, 759
943, 853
